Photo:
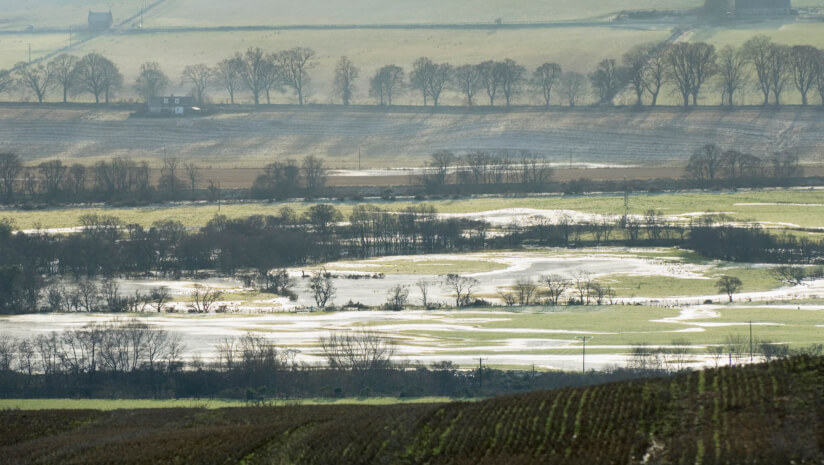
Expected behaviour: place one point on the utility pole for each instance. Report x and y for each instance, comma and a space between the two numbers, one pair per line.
750, 341
218, 195
584, 339
480, 373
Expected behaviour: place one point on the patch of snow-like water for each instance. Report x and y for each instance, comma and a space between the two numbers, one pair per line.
528, 216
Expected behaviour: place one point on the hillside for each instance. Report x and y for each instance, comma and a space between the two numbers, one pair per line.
406, 136
770, 413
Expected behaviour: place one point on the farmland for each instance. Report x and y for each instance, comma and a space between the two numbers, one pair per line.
773, 208
405, 137
758, 413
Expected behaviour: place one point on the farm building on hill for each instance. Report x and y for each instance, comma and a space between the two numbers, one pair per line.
171, 105
760, 7
100, 21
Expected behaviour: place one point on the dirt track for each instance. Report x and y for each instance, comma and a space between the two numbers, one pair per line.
407, 136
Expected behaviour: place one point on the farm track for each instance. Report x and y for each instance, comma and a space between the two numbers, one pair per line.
407, 136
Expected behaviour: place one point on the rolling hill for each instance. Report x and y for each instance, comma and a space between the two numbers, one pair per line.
768, 413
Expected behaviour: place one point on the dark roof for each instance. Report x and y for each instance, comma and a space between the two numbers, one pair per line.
96, 17
746, 4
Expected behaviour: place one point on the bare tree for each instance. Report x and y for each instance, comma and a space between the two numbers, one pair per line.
77, 178
386, 83
423, 288
7, 81
606, 80
94, 75
323, 290
430, 78
112, 80
421, 75
8, 350
199, 76
168, 176
397, 296
467, 80
462, 287
819, 75
151, 81
634, 64
439, 166
545, 78
582, 281
555, 287
279, 282
729, 285
204, 297
89, 295
803, 65
64, 69
534, 171
491, 77
512, 79
38, 78
110, 291
779, 70
193, 174
345, 74
160, 296
314, 174
655, 73
731, 69
53, 174
525, 289
228, 73
703, 62
572, 87
788, 274
705, 163
358, 351
293, 68
757, 51
507, 297
255, 70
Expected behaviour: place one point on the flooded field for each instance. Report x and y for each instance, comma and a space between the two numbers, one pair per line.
543, 337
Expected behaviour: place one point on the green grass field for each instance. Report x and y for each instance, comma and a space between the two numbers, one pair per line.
616, 326
790, 208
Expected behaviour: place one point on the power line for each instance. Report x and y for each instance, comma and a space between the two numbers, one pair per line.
584, 339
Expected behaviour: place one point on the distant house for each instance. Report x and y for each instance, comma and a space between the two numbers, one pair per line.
100, 21
171, 105
760, 7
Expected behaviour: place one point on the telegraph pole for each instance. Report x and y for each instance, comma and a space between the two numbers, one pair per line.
584, 339
481, 372
750, 341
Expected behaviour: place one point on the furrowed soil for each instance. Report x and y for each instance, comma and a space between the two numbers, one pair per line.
769, 413
405, 136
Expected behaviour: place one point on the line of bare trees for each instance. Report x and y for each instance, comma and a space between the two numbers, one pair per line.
712, 163
125, 180
684, 70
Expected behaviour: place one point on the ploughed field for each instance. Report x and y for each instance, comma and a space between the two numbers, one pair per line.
399, 137
769, 413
